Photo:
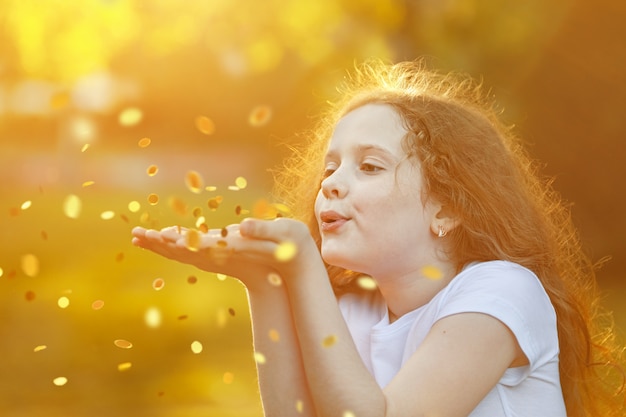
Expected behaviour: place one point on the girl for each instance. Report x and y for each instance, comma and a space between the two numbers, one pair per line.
484, 304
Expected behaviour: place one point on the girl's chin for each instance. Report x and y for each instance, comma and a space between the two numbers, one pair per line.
339, 260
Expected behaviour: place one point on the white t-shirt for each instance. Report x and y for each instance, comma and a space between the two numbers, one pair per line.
504, 290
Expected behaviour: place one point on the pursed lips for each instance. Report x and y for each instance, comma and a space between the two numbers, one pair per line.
331, 221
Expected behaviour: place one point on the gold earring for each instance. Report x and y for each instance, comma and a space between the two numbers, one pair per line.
442, 231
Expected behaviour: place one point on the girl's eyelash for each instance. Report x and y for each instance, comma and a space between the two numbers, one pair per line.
370, 167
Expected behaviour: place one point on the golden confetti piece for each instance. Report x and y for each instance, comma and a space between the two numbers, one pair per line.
1, 272
204, 228
213, 203
200, 221
193, 240
85, 147
153, 317
72, 206
274, 335
144, 142
59, 381
432, 272
88, 183
125, 366
282, 208
260, 116
231, 311
274, 279
228, 377
367, 283
44, 235
63, 302
14, 211
329, 341
178, 206
299, 406
107, 215
224, 232
130, 116
119, 257
158, 284
259, 358
30, 265
123, 344
238, 210
196, 347
153, 199
192, 279
210, 188
183, 317
197, 212
26, 204
97, 305
221, 277
241, 182
134, 206
152, 170
30, 295
40, 348
233, 188
205, 125
124, 218
194, 182
348, 414
145, 216
285, 251
262, 209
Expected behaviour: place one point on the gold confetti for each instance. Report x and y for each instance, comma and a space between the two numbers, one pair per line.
144, 142
178, 206
259, 358
205, 125
201, 221
119, 257
241, 182
107, 215
122, 344
228, 377
85, 147
192, 279
194, 182
1, 272
204, 228
72, 206
59, 381
158, 284
153, 317
348, 414
210, 188
124, 366
262, 209
285, 251
30, 295
26, 204
274, 279
196, 347
63, 302
30, 265
260, 116
197, 212
282, 208
97, 305
274, 335
130, 116
153, 199
44, 235
88, 183
152, 170
432, 272
233, 188
221, 277
134, 206
329, 341
214, 203
40, 348
193, 240
367, 283
299, 406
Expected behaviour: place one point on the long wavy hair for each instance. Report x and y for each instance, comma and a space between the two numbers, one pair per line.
475, 165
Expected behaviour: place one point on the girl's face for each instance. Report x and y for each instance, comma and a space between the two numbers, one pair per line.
369, 207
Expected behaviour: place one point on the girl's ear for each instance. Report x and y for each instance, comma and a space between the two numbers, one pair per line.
443, 222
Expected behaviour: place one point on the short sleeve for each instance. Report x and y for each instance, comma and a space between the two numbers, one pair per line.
515, 296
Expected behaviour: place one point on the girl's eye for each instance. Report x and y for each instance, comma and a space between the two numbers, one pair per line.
370, 168
327, 173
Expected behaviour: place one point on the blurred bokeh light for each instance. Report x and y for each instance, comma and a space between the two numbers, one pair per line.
115, 113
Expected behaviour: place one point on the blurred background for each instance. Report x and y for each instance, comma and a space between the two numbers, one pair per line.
116, 113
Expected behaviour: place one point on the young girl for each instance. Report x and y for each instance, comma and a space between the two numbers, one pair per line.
484, 304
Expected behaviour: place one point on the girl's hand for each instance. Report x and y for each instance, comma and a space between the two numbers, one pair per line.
246, 251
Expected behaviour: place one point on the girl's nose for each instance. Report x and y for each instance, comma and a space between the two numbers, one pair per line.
334, 185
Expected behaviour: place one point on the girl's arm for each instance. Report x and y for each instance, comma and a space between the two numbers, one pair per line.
460, 361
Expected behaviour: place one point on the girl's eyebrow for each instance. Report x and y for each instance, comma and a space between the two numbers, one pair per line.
363, 148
